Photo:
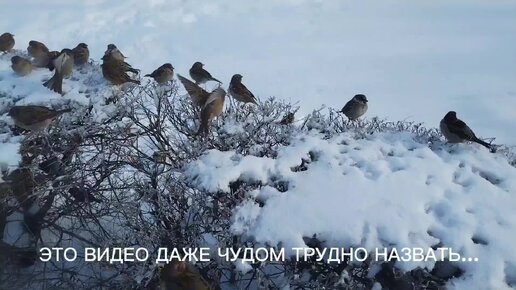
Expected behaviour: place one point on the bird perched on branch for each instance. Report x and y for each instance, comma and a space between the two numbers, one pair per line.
6, 42
200, 75
456, 131
162, 74
288, 119
81, 54
197, 94
115, 70
34, 118
356, 107
239, 91
115, 53
211, 109
180, 275
63, 65
39, 52
21, 66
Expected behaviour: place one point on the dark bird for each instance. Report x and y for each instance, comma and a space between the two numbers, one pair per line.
180, 275
200, 75
21, 66
6, 42
211, 109
51, 56
356, 107
81, 54
115, 71
288, 119
39, 52
34, 118
456, 131
162, 74
239, 91
63, 65
197, 94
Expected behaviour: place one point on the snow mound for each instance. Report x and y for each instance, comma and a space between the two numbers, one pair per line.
386, 190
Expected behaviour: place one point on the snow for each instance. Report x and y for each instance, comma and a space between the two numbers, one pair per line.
387, 190
413, 60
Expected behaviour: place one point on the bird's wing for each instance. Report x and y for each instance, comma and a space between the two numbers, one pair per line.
214, 96
35, 114
198, 95
462, 130
348, 106
242, 90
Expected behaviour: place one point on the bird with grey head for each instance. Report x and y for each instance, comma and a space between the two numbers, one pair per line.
6, 42
456, 131
356, 107
200, 75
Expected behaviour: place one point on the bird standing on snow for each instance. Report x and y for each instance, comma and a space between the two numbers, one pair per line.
200, 75
213, 108
179, 275
21, 66
239, 91
114, 70
63, 65
6, 42
197, 94
162, 74
456, 131
81, 54
39, 52
356, 107
34, 118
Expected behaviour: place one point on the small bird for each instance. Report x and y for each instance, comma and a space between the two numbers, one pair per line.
211, 109
356, 107
239, 91
197, 94
200, 75
6, 42
162, 74
63, 64
180, 275
39, 52
34, 118
288, 119
456, 131
81, 54
115, 71
21, 66
51, 56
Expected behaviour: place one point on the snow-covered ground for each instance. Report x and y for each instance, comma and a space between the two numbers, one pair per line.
414, 60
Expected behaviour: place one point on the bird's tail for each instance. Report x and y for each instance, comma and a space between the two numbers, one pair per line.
64, 111
134, 81
203, 128
133, 70
148, 75
55, 83
483, 143
214, 79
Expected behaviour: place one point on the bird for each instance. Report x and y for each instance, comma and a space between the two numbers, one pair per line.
50, 59
81, 54
288, 119
356, 107
39, 51
180, 275
456, 131
197, 94
211, 109
21, 66
239, 91
6, 42
200, 75
162, 74
63, 65
34, 118
114, 70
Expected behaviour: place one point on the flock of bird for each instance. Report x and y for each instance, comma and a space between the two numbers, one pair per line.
115, 70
